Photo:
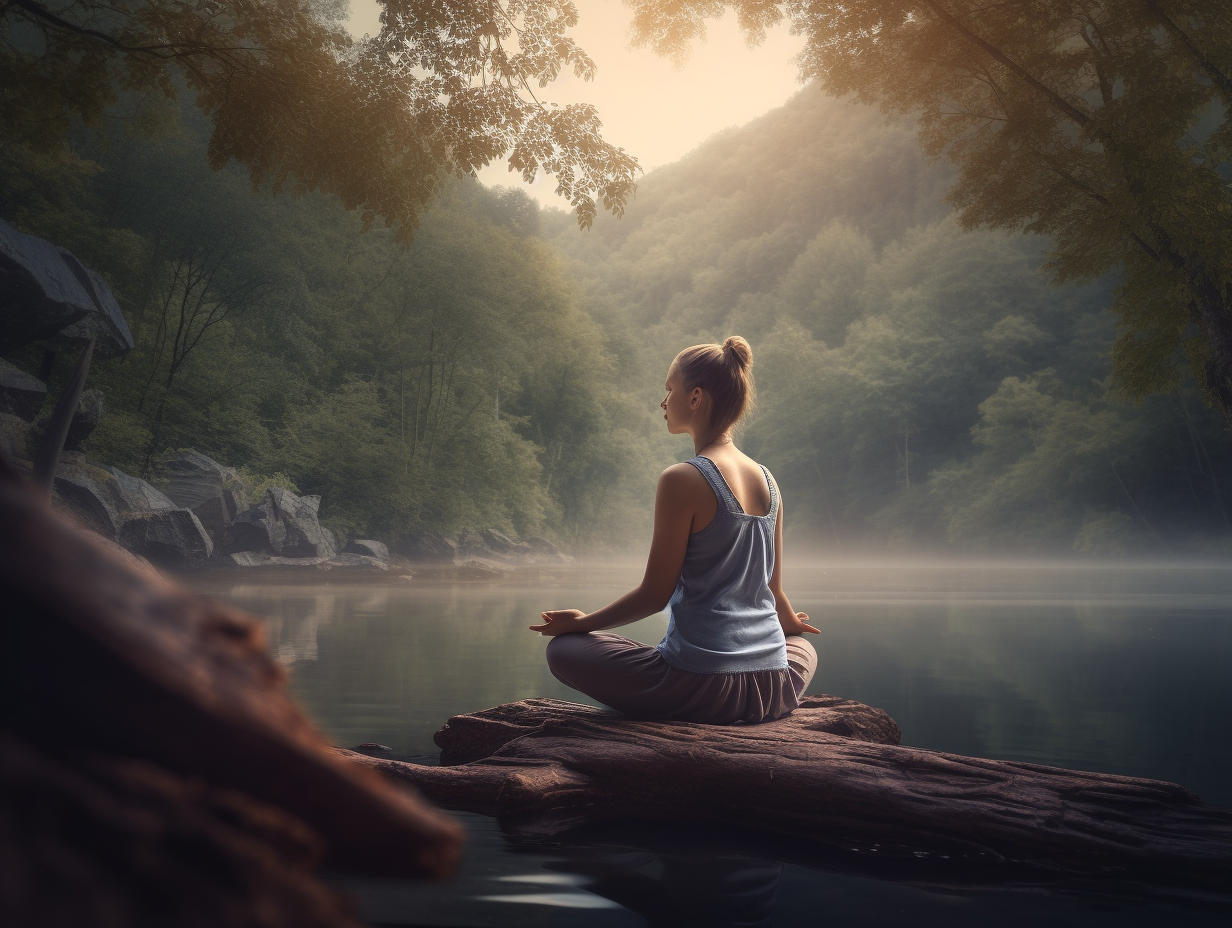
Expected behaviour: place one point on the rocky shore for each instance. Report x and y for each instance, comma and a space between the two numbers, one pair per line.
196, 513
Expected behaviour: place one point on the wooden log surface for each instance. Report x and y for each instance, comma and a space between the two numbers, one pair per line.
102, 656
832, 771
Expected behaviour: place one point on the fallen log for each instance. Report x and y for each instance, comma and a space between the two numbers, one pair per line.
831, 772
152, 762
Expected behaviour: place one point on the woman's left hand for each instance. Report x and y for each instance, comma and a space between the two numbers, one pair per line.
798, 625
560, 622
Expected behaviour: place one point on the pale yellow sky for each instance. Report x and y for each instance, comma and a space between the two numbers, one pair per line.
649, 107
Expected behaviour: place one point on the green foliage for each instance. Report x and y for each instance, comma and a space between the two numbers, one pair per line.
378, 123
453, 384
920, 387
1102, 124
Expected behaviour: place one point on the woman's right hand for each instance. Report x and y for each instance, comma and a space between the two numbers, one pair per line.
560, 622
798, 625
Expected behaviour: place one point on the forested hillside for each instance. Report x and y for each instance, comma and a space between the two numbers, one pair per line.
453, 385
921, 388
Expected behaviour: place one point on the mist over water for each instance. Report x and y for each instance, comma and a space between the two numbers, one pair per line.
1118, 668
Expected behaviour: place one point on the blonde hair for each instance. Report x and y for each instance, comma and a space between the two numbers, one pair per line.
725, 372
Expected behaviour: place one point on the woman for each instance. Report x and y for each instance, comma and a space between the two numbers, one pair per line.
734, 649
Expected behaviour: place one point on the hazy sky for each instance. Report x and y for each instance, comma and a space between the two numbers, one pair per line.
649, 107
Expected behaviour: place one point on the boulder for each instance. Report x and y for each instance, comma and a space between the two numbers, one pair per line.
213, 491
542, 551
256, 529
89, 495
106, 324
14, 436
500, 543
495, 547
167, 538
472, 546
302, 533
86, 416
427, 548
21, 394
137, 496
43, 295
368, 548
284, 525
103, 499
349, 561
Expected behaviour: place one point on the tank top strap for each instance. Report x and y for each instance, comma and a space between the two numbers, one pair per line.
774, 491
722, 491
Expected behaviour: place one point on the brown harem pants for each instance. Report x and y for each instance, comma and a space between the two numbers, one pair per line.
634, 679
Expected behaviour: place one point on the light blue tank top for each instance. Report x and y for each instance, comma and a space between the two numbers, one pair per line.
722, 615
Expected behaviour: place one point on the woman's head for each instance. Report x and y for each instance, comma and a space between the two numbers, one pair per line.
724, 373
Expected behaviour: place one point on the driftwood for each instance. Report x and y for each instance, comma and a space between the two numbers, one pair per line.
832, 772
147, 739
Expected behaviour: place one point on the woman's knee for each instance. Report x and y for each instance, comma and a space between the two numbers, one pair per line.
563, 653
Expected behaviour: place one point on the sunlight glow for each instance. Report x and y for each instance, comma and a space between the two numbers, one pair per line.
649, 106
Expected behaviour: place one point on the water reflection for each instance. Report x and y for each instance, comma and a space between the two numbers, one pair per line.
1120, 670
683, 892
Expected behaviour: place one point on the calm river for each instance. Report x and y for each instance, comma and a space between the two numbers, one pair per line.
1119, 669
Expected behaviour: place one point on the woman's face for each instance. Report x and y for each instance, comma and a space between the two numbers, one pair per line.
680, 405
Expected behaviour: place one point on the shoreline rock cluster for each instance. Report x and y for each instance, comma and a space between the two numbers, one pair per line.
196, 513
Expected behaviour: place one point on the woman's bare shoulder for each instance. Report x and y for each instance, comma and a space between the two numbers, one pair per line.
681, 475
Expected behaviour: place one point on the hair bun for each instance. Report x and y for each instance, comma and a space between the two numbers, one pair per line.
738, 350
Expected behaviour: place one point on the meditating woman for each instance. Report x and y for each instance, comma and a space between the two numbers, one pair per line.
734, 649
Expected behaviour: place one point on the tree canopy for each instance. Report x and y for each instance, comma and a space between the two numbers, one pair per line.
443, 89
1103, 124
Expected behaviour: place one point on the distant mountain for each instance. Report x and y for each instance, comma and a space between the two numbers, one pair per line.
920, 387
732, 216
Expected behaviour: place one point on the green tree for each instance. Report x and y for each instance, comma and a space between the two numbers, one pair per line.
1102, 124
443, 89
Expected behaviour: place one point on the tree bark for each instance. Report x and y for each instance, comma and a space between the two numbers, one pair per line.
100, 656
832, 772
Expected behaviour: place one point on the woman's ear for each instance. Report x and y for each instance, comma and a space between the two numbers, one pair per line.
695, 398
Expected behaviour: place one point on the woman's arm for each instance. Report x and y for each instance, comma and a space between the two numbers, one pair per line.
677, 500
794, 623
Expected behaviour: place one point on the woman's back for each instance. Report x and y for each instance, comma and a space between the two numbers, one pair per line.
744, 477
722, 613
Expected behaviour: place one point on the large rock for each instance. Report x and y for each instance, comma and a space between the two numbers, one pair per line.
302, 533
213, 491
126, 509
168, 538
88, 494
86, 417
21, 394
427, 548
106, 325
42, 294
283, 524
137, 496
256, 529
542, 551
472, 546
368, 548
495, 547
